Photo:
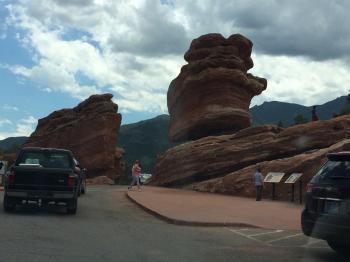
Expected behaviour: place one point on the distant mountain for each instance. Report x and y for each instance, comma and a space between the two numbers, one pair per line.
144, 140
11, 142
273, 112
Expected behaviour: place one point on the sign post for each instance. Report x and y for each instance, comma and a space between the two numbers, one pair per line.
291, 180
274, 178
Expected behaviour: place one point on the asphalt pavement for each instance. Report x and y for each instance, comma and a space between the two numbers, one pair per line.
109, 227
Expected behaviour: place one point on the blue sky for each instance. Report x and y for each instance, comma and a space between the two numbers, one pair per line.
56, 53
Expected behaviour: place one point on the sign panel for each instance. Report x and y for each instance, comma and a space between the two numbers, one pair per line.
273, 177
3, 165
293, 178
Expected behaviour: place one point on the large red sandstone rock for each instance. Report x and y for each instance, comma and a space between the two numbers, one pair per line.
240, 182
217, 156
89, 130
212, 93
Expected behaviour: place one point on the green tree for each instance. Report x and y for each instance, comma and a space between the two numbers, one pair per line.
300, 119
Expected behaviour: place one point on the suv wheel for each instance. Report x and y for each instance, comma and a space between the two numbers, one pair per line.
72, 206
339, 247
9, 204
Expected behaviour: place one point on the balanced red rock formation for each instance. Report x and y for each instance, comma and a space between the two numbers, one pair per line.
89, 130
213, 91
218, 156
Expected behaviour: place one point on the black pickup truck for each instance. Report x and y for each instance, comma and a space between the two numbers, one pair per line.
44, 175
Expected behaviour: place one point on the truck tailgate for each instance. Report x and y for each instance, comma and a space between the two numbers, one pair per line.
39, 178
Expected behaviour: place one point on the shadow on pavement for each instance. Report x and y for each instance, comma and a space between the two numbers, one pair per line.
34, 209
327, 256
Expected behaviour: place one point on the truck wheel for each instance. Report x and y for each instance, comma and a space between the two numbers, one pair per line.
72, 206
339, 247
79, 190
9, 204
83, 188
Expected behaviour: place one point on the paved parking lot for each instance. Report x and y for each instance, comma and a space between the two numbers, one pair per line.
279, 238
108, 227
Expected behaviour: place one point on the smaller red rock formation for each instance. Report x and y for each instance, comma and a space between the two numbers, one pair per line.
89, 130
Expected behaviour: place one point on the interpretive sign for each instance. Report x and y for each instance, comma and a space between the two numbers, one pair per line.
273, 177
293, 178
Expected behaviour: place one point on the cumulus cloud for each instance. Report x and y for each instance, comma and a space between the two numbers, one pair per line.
135, 48
26, 126
301, 80
317, 28
4, 121
9, 107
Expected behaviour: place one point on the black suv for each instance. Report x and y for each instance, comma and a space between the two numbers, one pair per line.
327, 211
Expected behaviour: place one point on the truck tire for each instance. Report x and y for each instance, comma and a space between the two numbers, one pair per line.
341, 248
83, 188
72, 206
79, 190
9, 204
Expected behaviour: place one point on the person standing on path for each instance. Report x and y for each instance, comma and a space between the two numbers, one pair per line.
258, 179
314, 116
136, 172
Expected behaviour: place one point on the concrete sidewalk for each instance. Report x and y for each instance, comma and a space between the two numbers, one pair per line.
194, 208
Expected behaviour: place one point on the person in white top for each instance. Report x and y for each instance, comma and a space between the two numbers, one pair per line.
136, 172
258, 180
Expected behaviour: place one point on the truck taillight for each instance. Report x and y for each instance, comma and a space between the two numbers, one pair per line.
309, 188
11, 177
71, 180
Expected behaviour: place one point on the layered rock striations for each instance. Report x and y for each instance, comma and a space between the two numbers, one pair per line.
240, 182
89, 130
217, 156
213, 91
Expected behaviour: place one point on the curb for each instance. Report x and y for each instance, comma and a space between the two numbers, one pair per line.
187, 223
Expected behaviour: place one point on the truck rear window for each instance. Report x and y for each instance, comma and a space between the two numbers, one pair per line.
45, 159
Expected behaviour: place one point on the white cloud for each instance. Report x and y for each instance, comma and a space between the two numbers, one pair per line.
300, 80
9, 107
5, 122
26, 126
135, 48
